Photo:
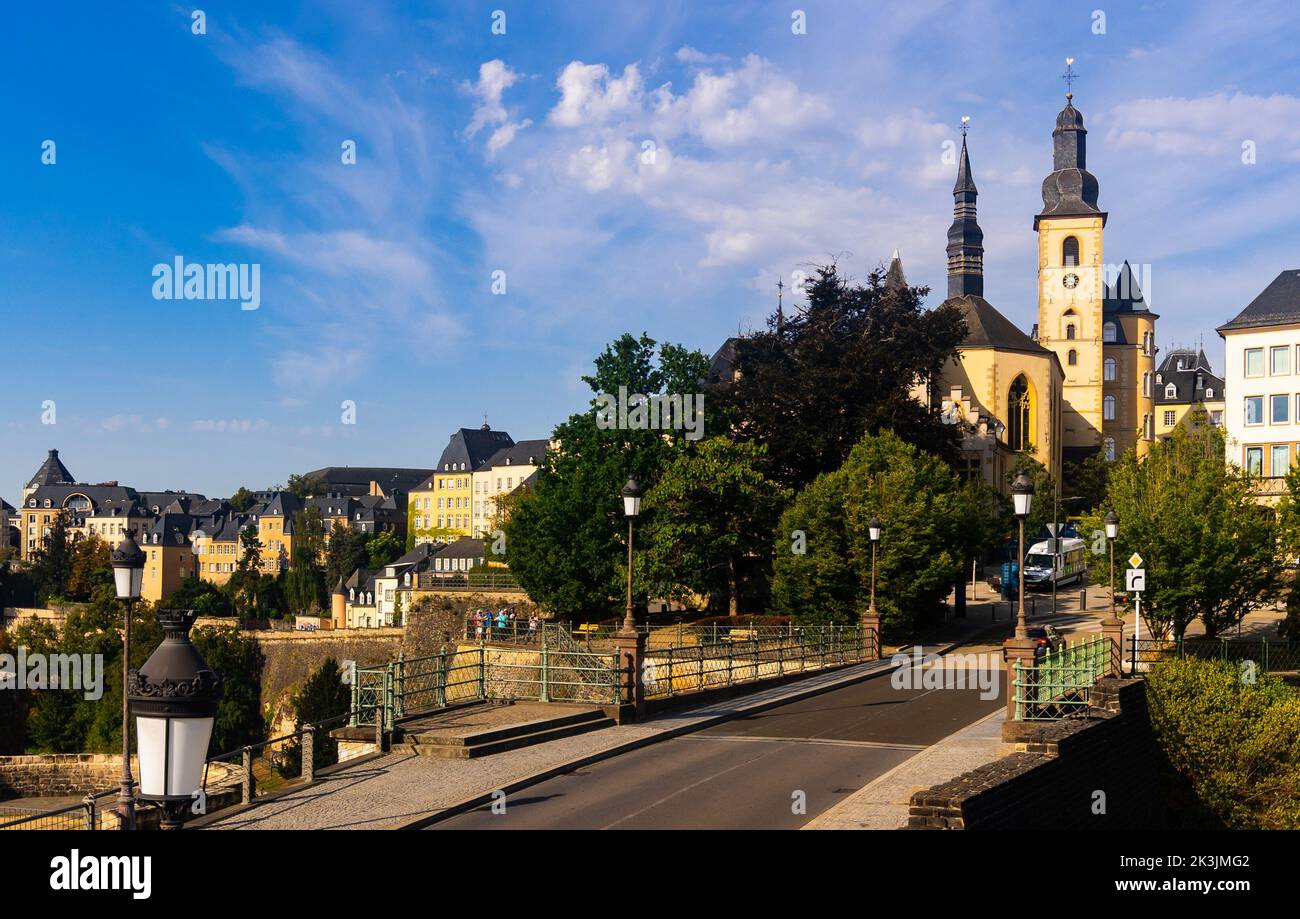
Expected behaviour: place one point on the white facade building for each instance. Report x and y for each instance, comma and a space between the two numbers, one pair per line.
1262, 377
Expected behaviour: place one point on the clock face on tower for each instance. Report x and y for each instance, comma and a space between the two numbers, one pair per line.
1071, 281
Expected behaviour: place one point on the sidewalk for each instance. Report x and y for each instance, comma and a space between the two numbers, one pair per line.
883, 804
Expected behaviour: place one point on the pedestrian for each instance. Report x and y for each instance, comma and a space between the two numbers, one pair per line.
532, 626
478, 625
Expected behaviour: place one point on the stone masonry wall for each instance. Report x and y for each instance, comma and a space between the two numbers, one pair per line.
58, 774
1057, 775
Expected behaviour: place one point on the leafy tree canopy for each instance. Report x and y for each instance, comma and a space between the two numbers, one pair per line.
844, 366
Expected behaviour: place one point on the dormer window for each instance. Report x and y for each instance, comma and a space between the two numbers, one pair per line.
1108, 332
1209, 393
1171, 391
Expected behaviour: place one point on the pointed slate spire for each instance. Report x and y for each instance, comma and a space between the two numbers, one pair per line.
965, 238
894, 277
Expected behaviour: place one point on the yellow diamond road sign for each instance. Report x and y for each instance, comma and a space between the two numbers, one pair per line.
1135, 561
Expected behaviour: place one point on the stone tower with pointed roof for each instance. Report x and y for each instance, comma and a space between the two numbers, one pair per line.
1103, 333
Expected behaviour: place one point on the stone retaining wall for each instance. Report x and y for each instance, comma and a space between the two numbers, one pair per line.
58, 774
1077, 774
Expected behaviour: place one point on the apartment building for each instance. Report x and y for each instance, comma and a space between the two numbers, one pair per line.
1262, 377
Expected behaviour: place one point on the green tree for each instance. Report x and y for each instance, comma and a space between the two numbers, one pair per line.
346, 553
247, 576
383, 549
304, 583
1210, 551
566, 537
89, 569
322, 697
52, 561
1085, 481
711, 512
822, 569
204, 596
239, 714
846, 364
304, 486
242, 500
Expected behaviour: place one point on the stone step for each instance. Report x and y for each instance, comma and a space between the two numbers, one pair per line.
491, 742
502, 733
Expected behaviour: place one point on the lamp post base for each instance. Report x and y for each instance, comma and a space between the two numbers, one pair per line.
126, 805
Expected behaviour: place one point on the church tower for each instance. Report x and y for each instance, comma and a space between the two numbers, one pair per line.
1071, 282
965, 238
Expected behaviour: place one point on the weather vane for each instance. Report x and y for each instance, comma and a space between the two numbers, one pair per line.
1069, 77
965, 125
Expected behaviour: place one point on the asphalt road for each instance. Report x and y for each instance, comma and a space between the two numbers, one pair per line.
745, 773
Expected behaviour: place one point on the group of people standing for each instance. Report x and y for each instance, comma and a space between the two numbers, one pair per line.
488, 624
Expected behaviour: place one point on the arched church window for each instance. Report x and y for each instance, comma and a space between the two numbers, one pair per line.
1070, 251
1108, 368
1108, 332
1069, 331
1108, 408
1072, 358
1020, 403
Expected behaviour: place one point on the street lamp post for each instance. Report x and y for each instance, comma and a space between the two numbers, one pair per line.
128, 573
1021, 652
1112, 531
1112, 627
873, 530
1022, 498
629, 644
631, 508
174, 697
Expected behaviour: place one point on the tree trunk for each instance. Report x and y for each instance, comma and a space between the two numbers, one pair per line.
733, 601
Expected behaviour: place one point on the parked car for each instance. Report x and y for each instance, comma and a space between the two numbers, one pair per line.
1046, 638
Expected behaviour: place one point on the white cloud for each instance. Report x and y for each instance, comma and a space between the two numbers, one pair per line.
494, 78
588, 95
1208, 126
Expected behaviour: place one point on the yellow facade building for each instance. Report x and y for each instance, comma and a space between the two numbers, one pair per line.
441, 508
1186, 382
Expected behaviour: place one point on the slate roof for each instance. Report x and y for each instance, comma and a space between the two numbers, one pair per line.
463, 548
470, 448
1277, 304
1069, 190
99, 495
1125, 295
523, 453
987, 328
52, 472
355, 480
1196, 370
169, 530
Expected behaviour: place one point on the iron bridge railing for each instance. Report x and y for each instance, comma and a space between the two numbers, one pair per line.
1270, 656
1058, 683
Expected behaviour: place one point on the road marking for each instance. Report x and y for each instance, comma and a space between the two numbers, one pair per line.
874, 744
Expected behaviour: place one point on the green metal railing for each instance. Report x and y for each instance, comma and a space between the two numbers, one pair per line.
1271, 656
745, 655
1057, 685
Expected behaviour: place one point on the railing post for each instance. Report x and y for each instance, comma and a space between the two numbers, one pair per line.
356, 696
729, 664
401, 685
440, 678
482, 673
249, 787
309, 753
780, 655
88, 802
871, 635
545, 655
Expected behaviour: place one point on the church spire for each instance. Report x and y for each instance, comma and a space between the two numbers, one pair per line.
1070, 190
965, 238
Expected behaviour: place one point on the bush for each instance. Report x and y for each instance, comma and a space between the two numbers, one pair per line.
1232, 747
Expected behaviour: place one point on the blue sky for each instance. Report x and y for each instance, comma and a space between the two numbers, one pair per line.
524, 153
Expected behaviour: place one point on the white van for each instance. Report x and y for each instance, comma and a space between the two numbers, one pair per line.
1070, 563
